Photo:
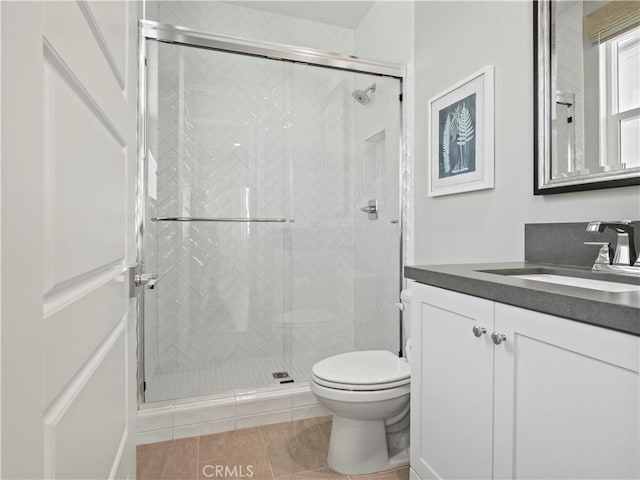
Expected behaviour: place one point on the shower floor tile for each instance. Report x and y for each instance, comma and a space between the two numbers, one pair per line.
291, 450
228, 376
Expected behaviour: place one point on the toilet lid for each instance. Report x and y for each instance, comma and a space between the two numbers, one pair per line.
362, 368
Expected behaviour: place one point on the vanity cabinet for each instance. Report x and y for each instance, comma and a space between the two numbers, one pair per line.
546, 397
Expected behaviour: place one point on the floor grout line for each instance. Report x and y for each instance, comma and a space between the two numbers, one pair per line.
266, 453
198, 458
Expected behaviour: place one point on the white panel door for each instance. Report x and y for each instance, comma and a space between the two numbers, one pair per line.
68, 105
451, 385
566, 399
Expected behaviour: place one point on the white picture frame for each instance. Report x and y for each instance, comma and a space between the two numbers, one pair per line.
461, 136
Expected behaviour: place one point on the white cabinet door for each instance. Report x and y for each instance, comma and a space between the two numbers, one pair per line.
68, 160
566, 399
451, 385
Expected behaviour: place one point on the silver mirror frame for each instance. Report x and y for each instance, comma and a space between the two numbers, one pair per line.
543, 184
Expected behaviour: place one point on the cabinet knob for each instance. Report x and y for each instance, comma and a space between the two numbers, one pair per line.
498, 338
478, 331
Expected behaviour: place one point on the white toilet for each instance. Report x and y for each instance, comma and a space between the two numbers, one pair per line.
368, 393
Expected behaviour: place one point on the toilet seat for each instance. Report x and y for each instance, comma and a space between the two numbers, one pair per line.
360, 387
359, 396
371, 370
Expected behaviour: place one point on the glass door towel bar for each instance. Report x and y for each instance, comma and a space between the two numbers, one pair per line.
207, 219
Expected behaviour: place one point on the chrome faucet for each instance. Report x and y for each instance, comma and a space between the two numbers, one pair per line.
625, 259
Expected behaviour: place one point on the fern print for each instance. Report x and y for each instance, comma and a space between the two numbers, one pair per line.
449, 132
457, 128
466, 133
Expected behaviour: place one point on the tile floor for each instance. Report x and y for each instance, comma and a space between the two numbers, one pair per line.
227, 376
291, 450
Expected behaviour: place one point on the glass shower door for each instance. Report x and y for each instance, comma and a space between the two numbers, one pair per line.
345, 264
215, 159
257, 171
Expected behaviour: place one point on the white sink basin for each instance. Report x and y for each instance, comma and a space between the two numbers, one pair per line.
600, 285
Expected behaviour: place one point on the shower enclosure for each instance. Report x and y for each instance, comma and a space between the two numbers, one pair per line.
269, 212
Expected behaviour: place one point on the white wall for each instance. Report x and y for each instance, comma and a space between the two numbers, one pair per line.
453, 40
385, 33
233, 19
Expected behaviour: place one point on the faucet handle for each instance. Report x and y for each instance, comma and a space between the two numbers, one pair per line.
604, 255
625, 249
619, 226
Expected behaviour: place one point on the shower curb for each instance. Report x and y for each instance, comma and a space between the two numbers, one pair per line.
206, 415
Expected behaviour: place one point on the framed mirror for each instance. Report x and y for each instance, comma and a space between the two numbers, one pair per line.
587, 95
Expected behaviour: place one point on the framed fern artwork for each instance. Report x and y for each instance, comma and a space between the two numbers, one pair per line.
460, 123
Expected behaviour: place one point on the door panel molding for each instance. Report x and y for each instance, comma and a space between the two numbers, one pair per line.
102, 42
66, 73
56, 409
63, 355
88, 408
68, 292
85, 59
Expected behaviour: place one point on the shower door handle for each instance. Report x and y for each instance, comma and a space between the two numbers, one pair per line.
371, 209
146, 280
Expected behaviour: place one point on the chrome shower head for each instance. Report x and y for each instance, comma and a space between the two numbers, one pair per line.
362, 97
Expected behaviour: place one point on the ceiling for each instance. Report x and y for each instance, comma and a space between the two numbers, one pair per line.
347, 14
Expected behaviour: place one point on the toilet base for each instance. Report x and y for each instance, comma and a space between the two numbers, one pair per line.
360, 446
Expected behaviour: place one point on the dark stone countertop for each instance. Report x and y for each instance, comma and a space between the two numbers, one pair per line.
613, 310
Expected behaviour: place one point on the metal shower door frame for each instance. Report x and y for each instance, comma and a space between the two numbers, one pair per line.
177, 35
